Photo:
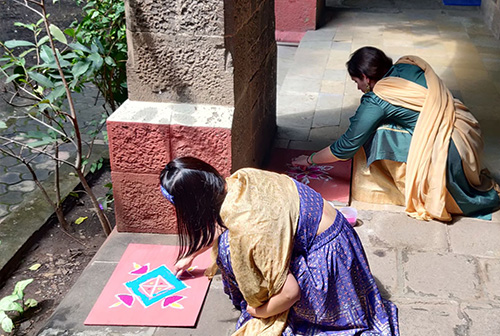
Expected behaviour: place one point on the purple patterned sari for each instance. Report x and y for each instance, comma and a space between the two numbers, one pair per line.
339, 295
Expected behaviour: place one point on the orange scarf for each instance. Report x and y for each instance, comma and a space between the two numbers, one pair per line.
441, 118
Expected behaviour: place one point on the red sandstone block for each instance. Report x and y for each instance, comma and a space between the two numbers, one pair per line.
289, 36
138, 153
212, 145
139, 204
295, 16
138, 147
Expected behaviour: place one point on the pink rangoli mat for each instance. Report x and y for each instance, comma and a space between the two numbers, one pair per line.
143, 291
333, 181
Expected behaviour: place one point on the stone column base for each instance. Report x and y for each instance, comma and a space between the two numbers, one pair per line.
143, 137
294, 18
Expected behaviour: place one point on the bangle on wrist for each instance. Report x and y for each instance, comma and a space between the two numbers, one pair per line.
310, 159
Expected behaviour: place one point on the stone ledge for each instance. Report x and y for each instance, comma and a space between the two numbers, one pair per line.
198, 115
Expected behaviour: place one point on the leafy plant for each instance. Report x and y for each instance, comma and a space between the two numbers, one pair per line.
95, 166
107, 199
62, 66
15, 303
104, 23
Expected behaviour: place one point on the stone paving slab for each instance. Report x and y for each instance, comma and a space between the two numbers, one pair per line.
332, 86
299, 120
326, 35
286, 54
308, 71
218, 317
291, 134
302, 84
396, 230
436, 318
327, 111
441, 275
475, 237
291, 103
483, 319
490, 276
322, 136
385, 266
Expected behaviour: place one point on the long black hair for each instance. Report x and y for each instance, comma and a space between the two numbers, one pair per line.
369, 61
197, 191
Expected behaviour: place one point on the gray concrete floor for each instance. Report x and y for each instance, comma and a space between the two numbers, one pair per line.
444, 278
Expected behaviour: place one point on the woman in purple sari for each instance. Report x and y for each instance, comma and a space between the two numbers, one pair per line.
289, 261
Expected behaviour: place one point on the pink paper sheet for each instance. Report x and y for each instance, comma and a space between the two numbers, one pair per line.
143, 291
333, 181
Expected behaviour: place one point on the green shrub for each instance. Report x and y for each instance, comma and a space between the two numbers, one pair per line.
15, 303
104, 23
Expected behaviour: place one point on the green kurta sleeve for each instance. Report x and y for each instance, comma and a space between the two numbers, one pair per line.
363, 124
373, 111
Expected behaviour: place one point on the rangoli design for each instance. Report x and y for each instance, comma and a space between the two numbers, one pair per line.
306, 174
152, 286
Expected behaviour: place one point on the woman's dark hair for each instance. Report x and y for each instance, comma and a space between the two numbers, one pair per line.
198, 191
369, 61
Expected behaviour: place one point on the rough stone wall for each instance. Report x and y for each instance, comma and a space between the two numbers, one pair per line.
491, 11
177, 53
250, 40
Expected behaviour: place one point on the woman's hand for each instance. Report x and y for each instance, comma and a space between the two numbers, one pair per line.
301, 161
183, 264
252, 311
322, 157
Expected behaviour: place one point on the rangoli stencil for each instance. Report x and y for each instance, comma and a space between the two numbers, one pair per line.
143, 290
306, 174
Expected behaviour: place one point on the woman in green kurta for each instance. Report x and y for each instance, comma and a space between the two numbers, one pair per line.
413, 144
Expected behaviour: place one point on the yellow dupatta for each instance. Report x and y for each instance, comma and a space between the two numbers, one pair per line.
261, 212
441, 118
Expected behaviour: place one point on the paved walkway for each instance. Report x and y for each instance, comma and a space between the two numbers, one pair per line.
444, 278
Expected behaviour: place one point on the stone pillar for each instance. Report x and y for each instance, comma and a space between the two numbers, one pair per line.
201, 77
250, 40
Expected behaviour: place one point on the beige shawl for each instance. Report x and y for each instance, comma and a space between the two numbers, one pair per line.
261, 212
441, 118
